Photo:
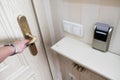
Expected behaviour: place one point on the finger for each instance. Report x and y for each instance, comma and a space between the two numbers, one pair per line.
26, 41
27, 44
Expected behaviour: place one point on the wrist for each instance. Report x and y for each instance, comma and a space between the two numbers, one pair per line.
13, 49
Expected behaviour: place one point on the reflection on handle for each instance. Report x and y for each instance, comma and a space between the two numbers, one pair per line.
33, 38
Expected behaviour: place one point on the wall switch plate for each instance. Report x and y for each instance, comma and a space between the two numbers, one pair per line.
73, 28
67, 26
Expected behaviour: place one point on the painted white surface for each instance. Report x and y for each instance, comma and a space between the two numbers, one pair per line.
43, 12
23, 66
106, 64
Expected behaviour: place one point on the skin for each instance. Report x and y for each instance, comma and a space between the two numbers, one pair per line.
9, 50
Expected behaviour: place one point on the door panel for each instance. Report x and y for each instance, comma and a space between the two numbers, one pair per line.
23, 66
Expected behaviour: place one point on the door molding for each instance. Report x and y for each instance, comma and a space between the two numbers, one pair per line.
44, 21
40, 31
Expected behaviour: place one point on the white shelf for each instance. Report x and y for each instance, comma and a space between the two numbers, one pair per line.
105, 64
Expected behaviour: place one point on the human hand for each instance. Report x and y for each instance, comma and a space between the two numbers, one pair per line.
20, 45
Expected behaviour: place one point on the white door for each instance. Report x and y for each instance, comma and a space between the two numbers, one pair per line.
22, 66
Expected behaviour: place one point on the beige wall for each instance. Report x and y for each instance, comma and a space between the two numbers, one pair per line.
88, 12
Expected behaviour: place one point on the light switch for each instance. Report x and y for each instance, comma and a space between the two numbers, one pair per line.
73, 28
67, 26
76, 30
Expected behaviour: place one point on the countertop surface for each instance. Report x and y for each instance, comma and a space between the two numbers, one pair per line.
105, 64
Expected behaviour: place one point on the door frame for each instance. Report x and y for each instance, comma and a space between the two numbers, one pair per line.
47, 35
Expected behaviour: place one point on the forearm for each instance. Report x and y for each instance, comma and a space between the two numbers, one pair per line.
16, 47
5, 52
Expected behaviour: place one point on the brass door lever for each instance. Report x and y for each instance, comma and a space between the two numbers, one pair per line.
27, 34
33, 38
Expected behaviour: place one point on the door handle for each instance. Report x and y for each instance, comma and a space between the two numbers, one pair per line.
33, 38
27, 34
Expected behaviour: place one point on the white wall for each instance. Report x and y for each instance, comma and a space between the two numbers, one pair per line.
88, 12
